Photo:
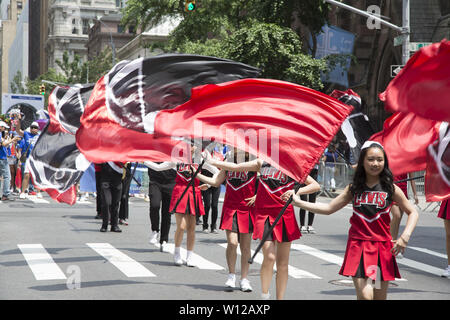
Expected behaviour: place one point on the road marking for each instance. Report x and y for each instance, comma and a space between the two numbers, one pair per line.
197, 260
35, 199
292, 271
40, 262
420, 266
329, 257
434, 253
121, 261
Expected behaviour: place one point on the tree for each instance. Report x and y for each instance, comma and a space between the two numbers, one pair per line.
261, 33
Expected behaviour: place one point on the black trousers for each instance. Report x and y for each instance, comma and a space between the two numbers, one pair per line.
98, 187
111, 191
211, 201
311, 198
126, 183
160, 196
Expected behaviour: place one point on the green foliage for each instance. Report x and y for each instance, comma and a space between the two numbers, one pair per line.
256, 32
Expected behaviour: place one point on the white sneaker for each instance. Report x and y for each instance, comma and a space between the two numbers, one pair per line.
446, 273
23, 195
177, 259
303, 229
245, 285
162, 246
190, 261
153, 237
231, 281
265, 296
311, 230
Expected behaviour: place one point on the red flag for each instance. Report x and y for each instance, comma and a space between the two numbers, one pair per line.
405, 138
100, 138
437, 181
423, 85
285, 124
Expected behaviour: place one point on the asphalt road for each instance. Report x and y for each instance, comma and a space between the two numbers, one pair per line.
52, 251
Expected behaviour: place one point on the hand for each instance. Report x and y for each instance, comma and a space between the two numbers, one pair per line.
285, 196
416, 199
251, 201
399, 246
206, 156
204, 187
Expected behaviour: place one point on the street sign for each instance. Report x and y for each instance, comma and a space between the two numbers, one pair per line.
399, 39
415, 46
395, 69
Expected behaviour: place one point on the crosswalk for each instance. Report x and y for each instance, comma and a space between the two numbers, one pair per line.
43, 267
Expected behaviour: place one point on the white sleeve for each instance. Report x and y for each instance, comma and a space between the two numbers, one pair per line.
210, 168
160, 166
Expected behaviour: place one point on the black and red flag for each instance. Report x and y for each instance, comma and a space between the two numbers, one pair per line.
55, 163
118, 120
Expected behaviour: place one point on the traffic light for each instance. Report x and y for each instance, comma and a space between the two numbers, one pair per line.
189, 6
42, 90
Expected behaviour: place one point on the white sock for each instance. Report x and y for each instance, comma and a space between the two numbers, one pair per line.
177, 251
188, 254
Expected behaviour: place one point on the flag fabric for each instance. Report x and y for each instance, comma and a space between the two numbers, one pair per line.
405, 138
55, 163
356, 127
437, 179
284, 124
423, 85
115, 124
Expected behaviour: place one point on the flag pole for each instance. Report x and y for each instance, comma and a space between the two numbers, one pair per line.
191, 183
269, 231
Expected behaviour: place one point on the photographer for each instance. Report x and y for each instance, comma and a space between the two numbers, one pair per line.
6, 140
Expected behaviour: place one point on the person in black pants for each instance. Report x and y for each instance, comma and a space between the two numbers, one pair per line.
311, 198
126, 183
98, 187
160, 187
210, 201
111, 191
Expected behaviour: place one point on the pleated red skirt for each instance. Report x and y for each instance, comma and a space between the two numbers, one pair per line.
444, 210
237, 220
286, 230
365, 258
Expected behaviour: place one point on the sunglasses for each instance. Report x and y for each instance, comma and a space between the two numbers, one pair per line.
33, 127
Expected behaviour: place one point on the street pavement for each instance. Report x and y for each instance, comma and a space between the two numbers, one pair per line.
53, 251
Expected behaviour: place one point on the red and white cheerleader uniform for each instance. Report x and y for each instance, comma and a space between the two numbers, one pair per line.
272, 184
444, 210
192, 200
236, 215
369, 240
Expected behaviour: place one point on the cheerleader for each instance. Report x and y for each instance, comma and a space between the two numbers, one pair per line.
268, 205
189, 204
444, 213
237, 218
370, 249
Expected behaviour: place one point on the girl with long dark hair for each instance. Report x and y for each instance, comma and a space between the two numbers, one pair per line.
370, 249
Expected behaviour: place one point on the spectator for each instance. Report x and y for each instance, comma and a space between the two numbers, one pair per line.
6, 140
311, 198
330, 158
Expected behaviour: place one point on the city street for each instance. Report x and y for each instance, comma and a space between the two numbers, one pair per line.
55, 251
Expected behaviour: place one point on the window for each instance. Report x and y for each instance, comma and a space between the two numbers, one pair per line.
74, 31
85, 26
19, 5
120, 29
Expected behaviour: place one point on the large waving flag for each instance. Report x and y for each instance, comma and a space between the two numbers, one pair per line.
55, 162
422, 89
423, 85
115, 124
282, 123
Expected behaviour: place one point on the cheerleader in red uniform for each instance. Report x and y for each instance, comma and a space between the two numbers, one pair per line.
370, 249
237, 218
268, 204
187, 207
444, 213
396, 212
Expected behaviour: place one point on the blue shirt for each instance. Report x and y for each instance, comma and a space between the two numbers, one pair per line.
29, 140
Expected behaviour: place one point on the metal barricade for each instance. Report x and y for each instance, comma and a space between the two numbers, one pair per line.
419, 183
334, 177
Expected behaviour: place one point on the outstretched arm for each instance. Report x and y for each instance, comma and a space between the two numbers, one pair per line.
160, 166
215, 180
321, 208
254, 165
312, 186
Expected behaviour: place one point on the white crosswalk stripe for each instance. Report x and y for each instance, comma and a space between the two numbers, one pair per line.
198, 261
124, 263
433, 253
292, 271
40, 262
